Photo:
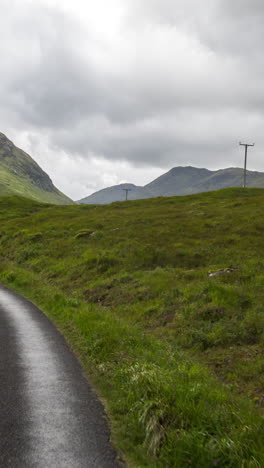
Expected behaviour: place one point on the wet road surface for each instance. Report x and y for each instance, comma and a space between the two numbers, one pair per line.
49, 415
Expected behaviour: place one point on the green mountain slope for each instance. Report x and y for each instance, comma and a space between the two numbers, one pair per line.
162, 300
231, 177
21, 175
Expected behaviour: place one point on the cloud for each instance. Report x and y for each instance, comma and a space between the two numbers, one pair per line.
131, 84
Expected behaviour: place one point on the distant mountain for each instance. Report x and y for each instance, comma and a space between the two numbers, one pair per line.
116, 193
21, 175
179, 181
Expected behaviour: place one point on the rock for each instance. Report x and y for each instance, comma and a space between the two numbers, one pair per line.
222, 272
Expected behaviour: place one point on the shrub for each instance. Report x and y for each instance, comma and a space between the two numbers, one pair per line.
27, 254
37, 236
105, 261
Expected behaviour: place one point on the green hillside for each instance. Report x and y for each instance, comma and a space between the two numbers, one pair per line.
162, 300
21, 175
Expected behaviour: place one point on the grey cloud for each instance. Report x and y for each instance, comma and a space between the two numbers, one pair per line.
242, 8
172, 89
192, 139
227, 26
236, 29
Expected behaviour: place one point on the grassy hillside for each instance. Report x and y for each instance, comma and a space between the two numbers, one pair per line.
21, 175
163, 302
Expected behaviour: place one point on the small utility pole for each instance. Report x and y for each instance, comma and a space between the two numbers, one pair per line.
246, 145
127, 190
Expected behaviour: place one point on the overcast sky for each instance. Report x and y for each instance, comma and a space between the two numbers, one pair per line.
109, 91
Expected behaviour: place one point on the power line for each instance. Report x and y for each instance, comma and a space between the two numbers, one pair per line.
246, 145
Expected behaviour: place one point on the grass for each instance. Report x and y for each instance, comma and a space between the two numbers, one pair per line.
176, 355
22, 185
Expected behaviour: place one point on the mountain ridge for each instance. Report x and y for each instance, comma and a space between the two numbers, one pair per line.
179, 181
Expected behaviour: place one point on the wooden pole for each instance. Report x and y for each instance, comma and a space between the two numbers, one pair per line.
246, 145
127, 190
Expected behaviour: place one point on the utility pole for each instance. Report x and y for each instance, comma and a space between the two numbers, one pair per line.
127, 190
246, 145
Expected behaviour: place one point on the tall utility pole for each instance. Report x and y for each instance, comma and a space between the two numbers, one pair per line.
246, 145
127, 190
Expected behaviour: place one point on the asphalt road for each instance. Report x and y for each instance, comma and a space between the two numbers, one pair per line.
49, 415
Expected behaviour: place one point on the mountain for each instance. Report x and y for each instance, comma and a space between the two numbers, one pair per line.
116, 193
231, 177
179, 181
21, 175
